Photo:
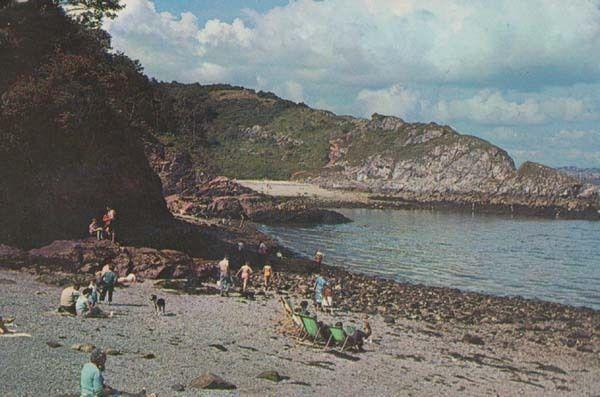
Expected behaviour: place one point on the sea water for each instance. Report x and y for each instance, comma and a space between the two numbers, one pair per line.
555, 260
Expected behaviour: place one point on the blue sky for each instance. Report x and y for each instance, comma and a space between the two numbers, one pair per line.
524, 75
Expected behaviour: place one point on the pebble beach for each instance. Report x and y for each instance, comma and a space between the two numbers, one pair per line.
238, 339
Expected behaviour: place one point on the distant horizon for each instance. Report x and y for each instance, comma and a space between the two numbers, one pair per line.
487, 71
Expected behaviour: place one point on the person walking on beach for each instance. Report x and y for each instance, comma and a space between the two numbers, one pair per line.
245, 272
267, 274
224, 280
320, 284
109, 280
68, 299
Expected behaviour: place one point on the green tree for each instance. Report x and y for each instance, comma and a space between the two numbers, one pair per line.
91, 12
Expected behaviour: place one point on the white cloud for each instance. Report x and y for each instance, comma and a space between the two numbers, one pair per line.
217, 33
396, 100
484, 107
292, 91
484, 65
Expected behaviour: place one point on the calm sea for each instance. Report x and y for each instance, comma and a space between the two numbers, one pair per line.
555, 260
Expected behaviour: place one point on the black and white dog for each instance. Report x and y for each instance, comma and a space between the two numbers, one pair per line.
159, 304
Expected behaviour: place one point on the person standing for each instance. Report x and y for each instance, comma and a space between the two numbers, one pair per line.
318, 258
262, 252
320, 284
110, 219
109, 280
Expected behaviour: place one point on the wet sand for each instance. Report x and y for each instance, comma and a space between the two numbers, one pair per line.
405, 358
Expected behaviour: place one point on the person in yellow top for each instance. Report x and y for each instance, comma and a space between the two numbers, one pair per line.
268, 274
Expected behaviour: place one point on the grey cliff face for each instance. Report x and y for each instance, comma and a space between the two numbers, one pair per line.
434, 163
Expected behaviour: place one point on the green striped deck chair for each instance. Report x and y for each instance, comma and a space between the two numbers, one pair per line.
338, 336
311, 327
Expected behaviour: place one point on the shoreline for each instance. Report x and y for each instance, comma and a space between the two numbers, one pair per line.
407, 355
341, 198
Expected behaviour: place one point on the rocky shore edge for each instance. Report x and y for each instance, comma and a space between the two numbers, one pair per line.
509, 319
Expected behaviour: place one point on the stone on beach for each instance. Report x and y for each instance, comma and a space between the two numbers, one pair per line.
273, 376
473, 339
83, 347
211, 382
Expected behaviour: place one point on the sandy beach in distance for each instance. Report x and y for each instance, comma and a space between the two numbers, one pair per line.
300, 189
408, 358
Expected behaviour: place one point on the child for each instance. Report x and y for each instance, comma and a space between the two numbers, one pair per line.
268, 273
93, 292
327, 302
245, 271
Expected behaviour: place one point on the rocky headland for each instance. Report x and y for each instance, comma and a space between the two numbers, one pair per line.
256, 135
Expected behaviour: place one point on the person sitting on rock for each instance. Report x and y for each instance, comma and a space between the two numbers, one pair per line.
95, 229
68, 298
245, 272
109, 280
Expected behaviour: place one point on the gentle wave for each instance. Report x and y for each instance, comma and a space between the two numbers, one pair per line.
535, 258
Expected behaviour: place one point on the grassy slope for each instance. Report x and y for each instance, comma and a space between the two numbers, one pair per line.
293, 137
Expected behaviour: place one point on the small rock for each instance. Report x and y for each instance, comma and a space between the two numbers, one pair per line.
149, 356
587, 348
83, 347
53, 344
112, 352
473, 339
178, 387
389, 320
270, 375
219, 347
211, 382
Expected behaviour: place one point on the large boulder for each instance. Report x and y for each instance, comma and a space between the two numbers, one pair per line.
88, 256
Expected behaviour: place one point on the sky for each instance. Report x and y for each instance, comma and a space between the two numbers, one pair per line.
524, 75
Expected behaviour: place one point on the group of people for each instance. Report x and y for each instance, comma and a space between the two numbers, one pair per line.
107, 228
356, 338
84, 303
226, 279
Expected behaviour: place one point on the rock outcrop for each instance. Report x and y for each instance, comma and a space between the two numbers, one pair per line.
434, 164
88, 256
225, 198
256, 135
